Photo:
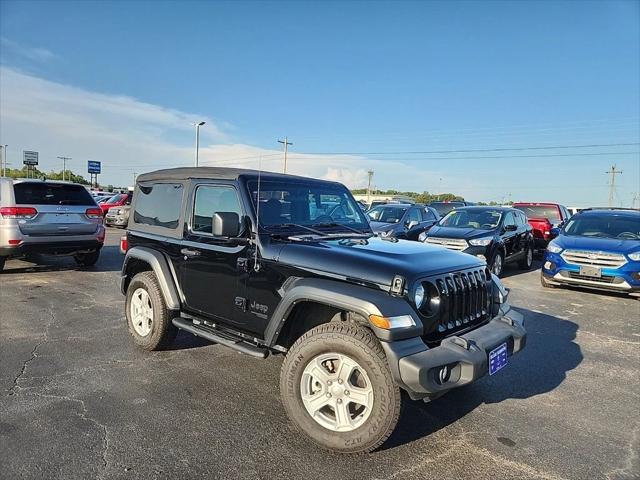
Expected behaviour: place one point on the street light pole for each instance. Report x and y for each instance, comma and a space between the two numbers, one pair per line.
198, 125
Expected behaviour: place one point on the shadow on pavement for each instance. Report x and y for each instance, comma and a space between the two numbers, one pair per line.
512, 269
541, 367
110, 261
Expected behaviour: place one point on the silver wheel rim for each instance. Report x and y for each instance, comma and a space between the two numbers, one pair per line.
141, 312
336, 392
529, 257
497, 264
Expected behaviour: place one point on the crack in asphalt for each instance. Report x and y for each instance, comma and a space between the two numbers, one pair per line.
34, 354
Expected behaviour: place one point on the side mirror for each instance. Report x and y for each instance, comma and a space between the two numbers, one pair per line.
510, 228
554, 232
411, 224
225, 224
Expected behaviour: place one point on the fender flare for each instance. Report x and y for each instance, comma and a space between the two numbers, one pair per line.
345, 296
162, 270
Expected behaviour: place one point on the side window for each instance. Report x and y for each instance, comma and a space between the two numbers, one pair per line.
427, 215
508, 219
210, 199
158, 205
414, 216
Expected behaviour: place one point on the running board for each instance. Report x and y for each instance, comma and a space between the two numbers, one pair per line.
208, 334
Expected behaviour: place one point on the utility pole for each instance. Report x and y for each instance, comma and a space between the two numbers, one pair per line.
370, 173
135, 175
4, 160
612, 183
286, 143
636, 197
64, 165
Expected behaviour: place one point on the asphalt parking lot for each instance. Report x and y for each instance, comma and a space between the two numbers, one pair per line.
79, 401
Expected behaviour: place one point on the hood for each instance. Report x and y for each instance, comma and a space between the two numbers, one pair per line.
382, 226
464, 233
375, 260
612, 245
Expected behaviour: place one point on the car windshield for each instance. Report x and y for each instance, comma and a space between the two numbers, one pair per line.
621, 227
484, 219
445, 207
386, 214
549, 212
36, 193
327, 207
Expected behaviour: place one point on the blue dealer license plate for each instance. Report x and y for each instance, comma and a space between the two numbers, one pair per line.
497, 358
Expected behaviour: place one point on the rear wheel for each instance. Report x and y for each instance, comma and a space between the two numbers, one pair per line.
527, 260
337, 388
87, 259
148, 317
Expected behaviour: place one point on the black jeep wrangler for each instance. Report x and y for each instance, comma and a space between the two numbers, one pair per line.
268, 263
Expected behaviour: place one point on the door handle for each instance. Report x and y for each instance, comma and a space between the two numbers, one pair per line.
187, 252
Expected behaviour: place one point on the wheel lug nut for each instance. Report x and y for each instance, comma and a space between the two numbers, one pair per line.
328, 382
328, 395
340, 381
339, 400
346, 392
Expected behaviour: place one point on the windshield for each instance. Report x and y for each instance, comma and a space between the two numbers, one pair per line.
549, 212
115, 199
319, 205
445, 207
484, 219
605, 226
386, 214
33, 193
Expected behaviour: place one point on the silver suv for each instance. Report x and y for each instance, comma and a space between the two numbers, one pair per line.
59, 218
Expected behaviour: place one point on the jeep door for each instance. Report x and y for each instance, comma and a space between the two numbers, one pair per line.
209, 264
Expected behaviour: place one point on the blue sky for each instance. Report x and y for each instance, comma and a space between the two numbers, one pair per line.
336, 77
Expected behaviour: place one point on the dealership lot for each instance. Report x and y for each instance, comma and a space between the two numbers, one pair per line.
79, 401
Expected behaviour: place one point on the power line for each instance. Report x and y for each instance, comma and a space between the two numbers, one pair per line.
553, 147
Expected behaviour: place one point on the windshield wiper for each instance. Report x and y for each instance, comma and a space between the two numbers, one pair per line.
297, 225
334, 224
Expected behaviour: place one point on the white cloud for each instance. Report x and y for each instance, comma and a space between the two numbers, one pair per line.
36, 54
129, 136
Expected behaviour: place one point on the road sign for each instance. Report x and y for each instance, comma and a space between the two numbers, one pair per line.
30, 158
94, 167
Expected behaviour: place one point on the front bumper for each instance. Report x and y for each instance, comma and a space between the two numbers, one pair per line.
466, 357
623, 279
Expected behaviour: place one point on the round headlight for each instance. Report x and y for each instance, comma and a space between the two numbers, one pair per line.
418, 297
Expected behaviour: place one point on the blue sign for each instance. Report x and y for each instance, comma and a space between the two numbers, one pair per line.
94, 167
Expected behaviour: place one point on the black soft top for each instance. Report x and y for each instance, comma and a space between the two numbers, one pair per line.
216, 173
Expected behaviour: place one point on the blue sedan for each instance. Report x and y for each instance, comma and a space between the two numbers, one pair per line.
597, 248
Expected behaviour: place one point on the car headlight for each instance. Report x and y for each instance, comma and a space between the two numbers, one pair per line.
634, 256
554, 247
422, 237
120, 212
418, 297
481, 242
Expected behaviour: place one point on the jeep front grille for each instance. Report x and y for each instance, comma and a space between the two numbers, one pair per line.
457, 301
592, 258
450, 243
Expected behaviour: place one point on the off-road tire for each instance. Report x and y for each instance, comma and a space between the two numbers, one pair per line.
524, 263
163, 332
360, 344
87, 259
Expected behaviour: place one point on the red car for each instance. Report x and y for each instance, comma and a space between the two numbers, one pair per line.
116, 201
543, 217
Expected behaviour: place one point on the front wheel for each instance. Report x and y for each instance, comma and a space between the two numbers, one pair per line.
497, 264
337, 388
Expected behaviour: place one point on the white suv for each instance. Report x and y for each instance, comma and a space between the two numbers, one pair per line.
39, 216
